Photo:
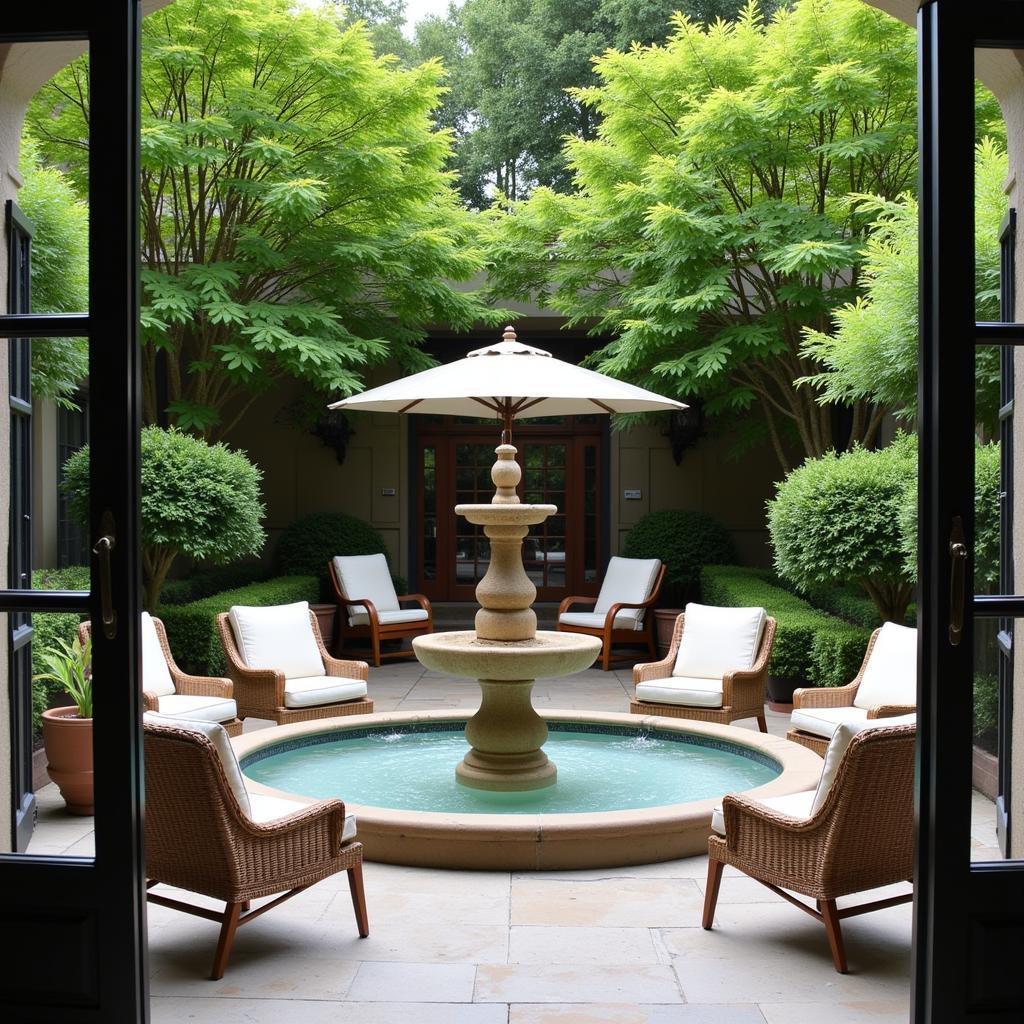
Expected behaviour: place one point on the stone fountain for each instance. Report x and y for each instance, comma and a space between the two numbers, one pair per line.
506, 652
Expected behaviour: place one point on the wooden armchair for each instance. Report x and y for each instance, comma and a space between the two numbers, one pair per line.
620, 613
885, 686
285, 673
169, 691
370, 609
855, 832
204, 833
719, 675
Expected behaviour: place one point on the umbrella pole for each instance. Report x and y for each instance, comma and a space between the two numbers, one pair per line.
507, 415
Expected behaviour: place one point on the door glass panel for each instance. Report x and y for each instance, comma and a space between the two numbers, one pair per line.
428, 537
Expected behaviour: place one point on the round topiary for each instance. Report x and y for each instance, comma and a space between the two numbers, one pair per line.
685, 541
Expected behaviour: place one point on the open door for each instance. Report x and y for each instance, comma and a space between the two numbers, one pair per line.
969, 903
74, 925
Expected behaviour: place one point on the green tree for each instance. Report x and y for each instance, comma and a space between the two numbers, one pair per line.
296, 217
712, 220
199, 500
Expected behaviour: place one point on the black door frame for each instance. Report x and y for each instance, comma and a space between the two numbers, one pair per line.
78, 924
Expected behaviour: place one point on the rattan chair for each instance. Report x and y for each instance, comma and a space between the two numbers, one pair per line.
199, 837
264, 692
836, 704
742, 690
861, 837
169, 691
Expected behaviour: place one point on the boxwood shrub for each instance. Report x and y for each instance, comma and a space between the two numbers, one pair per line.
809, 644
192, 628
207, 582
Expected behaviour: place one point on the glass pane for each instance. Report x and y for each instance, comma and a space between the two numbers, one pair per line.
556, 455
993, 674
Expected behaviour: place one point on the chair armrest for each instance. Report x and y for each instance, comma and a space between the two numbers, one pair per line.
825, 696
341, 668
651, 670
750, 682
891, 710
763, 834
150, 701
301, 839
421, 599
568, 602
371, 608
202, 686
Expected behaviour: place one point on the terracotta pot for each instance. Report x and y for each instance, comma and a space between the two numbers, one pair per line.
664, 624
68, 743
325, 620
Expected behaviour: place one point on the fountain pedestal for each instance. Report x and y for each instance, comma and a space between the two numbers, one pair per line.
505, 653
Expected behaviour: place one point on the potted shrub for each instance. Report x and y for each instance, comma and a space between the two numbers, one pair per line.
67, 731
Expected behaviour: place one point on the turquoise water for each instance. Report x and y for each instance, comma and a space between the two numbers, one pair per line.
596, 772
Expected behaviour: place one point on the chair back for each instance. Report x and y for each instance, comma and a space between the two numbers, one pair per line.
365, 576
279, 637
156, 673
630, 580
889, 673
716, 640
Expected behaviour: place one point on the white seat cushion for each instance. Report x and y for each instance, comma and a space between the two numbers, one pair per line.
624, 620
156, 676
627, 579
689, 690
308, 691
718, 640
387, 618
366, 576
221, 742
279, 637
209, 709
890, 676
824, 721
265, 809
795, 805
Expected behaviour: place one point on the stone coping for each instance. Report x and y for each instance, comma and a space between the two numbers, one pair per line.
544, 841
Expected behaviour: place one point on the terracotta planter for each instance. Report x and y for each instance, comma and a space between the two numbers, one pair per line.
68, 743
665, 623
325, 620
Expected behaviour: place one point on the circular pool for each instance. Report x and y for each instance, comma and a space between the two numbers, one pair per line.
631, 789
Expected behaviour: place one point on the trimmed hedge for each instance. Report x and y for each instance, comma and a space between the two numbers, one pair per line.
192, 628
853, 606
207, 582
809, 644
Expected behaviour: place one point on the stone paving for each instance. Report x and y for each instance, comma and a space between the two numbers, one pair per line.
610, 946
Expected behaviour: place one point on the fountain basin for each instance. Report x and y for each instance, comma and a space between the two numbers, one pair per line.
521, 839
548, 654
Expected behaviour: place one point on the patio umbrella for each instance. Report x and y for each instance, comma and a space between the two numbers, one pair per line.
508, 378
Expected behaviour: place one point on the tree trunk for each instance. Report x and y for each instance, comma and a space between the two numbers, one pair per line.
156, 561
891, 599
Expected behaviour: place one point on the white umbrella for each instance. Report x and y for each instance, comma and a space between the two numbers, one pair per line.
508, 378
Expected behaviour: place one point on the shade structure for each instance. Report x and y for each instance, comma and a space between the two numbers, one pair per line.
511, 380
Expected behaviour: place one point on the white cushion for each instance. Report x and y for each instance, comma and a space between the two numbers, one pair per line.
386, 618
265, 809
624, 620
824, 721
366, 576
278, 637
838, 745
794, 805
890, 676
209, 709
627, 579
156, 676
221, 741
691, 690
718, 640
308, 691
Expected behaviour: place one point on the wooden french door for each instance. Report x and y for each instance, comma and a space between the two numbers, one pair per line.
562, 466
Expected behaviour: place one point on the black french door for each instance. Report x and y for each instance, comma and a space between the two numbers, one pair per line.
968, 914
74, 926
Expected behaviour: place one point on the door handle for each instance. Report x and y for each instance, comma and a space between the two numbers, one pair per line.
102, 550
957, 581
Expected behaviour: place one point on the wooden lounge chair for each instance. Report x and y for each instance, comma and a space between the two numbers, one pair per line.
168, 690
281, 670
715, 671
370, 609
206, 834
886, 685
620, 611
854, 832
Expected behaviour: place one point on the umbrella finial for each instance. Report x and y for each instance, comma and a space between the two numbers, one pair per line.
510, 333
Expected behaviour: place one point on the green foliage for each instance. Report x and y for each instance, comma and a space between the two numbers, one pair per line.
296, 218
207, 582
809, 644
845, 602
870, 350
986, 711
192, 628
69, 665
198, 499
835, 520
60, 272
685, 541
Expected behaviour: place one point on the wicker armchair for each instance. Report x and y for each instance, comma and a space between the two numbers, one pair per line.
200, 837
267, 692
817, 712
169, 691
860, 837
742, 690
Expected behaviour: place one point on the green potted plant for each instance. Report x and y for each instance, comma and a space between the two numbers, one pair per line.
67, 731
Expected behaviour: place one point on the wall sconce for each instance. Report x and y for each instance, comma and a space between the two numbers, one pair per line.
685, 427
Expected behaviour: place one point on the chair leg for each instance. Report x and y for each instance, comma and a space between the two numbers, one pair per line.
229, 925
355, 884
711, 892
606, 651
375, 639
830, 916
761, 723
